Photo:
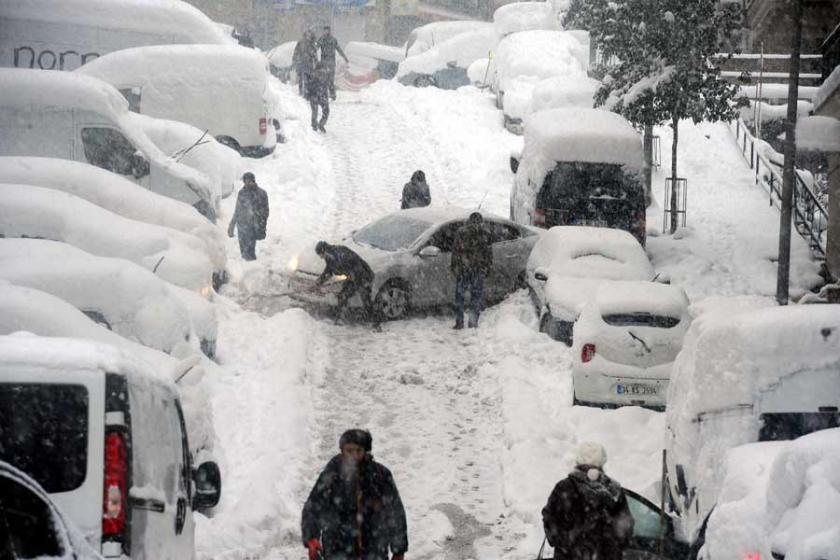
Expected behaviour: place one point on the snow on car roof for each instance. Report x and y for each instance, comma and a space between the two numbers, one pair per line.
426, 36
559, 92
541, 54
157, 17
523, 16
376, 51
614, 297
462, 50
281, 56
438, 214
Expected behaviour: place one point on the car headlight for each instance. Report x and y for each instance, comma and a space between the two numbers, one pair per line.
293, 264
340, 278
206, 291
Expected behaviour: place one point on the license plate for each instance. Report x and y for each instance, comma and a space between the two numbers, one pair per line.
633, 389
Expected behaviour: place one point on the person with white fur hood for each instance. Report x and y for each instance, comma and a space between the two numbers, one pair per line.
587, 516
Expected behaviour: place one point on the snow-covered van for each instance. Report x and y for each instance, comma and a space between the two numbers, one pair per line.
65, 34
579, 167
219, 88
70, 116
764, 375
103, 433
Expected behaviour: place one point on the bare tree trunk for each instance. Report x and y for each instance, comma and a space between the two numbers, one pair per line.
648, 143
675, 124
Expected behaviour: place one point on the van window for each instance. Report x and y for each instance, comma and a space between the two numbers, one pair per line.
44, 432
31, 528
109, 149
791, 425
641, 319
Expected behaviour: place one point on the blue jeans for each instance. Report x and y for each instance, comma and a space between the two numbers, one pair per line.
474, 283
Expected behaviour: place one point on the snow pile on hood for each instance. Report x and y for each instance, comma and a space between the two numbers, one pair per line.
541, 54
461, 50
281, 56
560, 92
36, 212
155, 17
523, 16
115, 193
426, 36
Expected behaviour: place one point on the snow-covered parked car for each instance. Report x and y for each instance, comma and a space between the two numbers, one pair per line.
31, 526
218, 88
567, 265
524, 16
625, 342
117, 194
580, 166
281, 61
36, 212
409, 252
383, 60
103, 433
445, 65
763, 375
427, 36
116, 293
559, 93
71, 116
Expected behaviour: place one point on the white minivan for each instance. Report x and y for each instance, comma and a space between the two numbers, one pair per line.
65, 34
103, 433
70, 116
219, 88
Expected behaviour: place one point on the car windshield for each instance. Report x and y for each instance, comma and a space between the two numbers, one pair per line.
641, 319
391, 233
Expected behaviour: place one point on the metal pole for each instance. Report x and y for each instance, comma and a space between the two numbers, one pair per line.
788, 178
759, 93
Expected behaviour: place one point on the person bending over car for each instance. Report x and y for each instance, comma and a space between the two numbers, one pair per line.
342, 261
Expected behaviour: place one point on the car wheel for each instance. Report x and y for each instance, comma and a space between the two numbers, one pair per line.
424, 81
392, 300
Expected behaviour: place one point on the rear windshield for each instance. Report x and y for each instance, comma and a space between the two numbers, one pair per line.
574, 183
641, 320
791, 425
391, 233
43, 432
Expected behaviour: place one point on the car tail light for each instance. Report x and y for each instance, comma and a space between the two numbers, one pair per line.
587, 353
752, 556
539, 217
115, 498
263, 125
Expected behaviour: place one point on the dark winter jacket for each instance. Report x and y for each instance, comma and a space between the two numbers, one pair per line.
318, 86
251, 212
329, 45
416, 194
587, 520
472, 250
341, 260
355, 520
305, 56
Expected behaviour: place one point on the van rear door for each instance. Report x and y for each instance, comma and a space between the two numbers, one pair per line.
52, 428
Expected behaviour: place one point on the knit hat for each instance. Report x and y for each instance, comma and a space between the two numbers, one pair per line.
362, 438
248, 176
591, 455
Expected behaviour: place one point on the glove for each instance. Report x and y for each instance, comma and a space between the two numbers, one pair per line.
397, 557
314, 546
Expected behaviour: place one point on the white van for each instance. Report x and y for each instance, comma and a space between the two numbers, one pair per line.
103, 433
764, 375
219, 88
69, 116
65, 34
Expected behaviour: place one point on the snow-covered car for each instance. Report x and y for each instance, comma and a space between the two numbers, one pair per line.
445, 65
71, 116
427, 36
40, 213
218, 88
625, 342
117, 194
524, 16
281, 60
409, 252
567, 265
103, 433
51, 35
116, 293
385, 58
580, 166
763, 375
31, 526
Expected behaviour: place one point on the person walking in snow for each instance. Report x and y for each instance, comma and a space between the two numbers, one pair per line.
472, 261
342, 261
354, 511
587, 516
416, 192
329, 45
305, 58
317, 92
250, 217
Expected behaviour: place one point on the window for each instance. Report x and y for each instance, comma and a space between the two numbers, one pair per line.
645, 519
44, 432
641, 319
391, 233
32, 528
109, 149
132, 95
444, 238
791, 425
503, 232
156, 442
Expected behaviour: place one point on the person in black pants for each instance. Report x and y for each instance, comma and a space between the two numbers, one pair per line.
250, 217
317, 92
329, 45
342, 261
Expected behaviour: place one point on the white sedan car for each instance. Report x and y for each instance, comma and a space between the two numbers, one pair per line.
568, 263
409, 252
625, 343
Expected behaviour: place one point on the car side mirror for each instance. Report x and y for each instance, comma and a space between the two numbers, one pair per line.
514, 164
430, 251
540, 275
208, 485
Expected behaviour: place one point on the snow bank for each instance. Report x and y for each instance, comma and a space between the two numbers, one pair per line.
426, 36
541, 54
818, 133
461, 50
115, 193
523, 16
29, 211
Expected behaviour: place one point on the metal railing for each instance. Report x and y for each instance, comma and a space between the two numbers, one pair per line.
810, 217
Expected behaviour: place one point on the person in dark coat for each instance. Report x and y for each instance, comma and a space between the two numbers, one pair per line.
354, 511
329, 45
342, 261
317, 92
305, 58
472, 261
416, 192
250, 217
587, 516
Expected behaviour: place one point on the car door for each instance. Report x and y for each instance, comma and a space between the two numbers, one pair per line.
653, 532
433, 282
510, 256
